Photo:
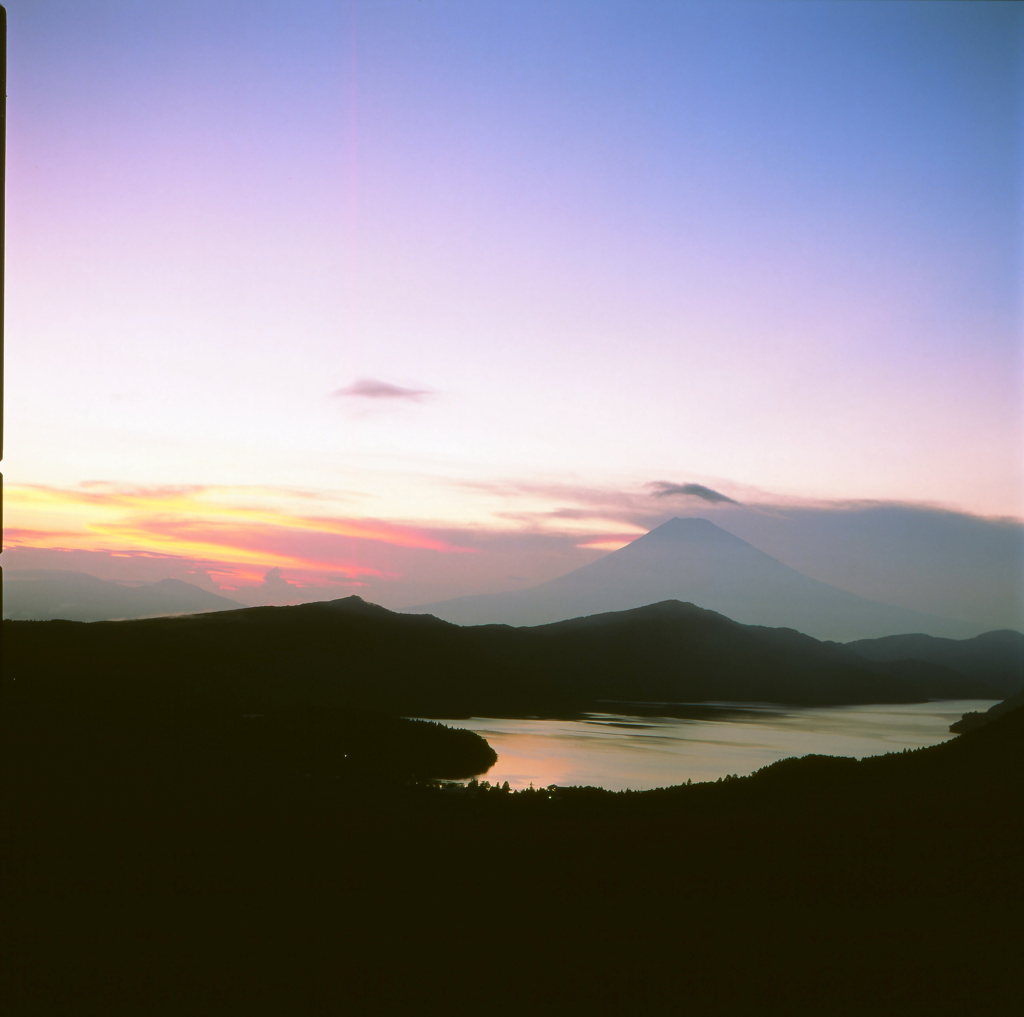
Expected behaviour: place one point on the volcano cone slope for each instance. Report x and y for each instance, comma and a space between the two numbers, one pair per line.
693, 560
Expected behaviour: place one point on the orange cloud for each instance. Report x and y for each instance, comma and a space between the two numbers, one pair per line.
243, 529
607, 545
17, 536
239, 543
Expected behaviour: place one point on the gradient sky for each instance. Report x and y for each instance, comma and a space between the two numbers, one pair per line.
362, 290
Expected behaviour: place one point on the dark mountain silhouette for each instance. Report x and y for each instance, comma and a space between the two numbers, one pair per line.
168, 857
351, 654
53, 593
994, 659
693, 560
675, 652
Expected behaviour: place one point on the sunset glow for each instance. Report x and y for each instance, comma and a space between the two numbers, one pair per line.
425, 295
196, 523
606, 545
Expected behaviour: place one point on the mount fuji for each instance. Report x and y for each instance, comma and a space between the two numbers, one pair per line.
696, 561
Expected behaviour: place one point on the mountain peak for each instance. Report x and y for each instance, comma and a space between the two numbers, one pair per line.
688, 524
694, 528
354, 604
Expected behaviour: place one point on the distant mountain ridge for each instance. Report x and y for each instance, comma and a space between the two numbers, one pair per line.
351, 654
42, 594
994, 658
693, 560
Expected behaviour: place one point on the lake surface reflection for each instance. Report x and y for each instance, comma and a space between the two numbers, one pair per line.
640, 751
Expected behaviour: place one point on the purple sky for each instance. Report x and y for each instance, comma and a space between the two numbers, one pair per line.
438, 265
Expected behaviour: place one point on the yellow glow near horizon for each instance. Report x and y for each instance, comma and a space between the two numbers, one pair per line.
195, 522
610, 545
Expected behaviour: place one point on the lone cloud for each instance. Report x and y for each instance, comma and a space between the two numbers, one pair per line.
663, 489
371, 388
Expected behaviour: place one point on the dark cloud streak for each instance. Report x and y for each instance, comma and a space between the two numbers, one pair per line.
663, 489
372, 388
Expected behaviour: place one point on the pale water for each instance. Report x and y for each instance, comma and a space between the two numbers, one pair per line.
619, 751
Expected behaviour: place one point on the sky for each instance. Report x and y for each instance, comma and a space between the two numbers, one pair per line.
418, 298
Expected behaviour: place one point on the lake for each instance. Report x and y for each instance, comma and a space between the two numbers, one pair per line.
620, 750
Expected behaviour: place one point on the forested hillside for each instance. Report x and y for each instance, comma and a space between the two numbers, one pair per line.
354, 655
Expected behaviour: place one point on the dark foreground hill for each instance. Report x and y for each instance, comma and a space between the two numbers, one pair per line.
179, 881
350, 654
971, 721
198, 819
